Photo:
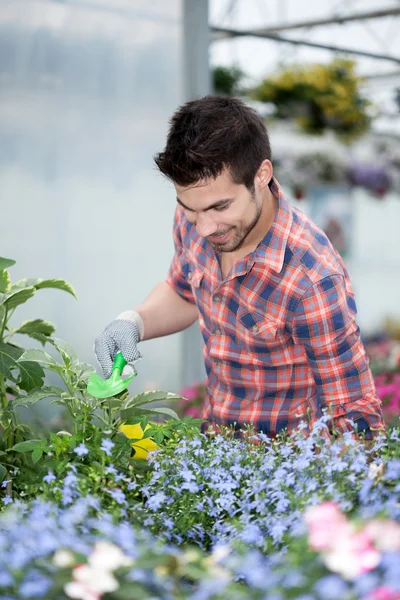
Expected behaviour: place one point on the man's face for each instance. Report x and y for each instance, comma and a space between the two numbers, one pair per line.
224, 212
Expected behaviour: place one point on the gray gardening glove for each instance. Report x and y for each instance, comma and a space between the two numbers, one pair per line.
121, 335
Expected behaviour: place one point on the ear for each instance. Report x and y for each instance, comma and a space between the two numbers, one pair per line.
264, 174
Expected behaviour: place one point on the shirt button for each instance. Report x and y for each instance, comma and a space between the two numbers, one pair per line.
217, 298
256, 328
217, 332
189, 275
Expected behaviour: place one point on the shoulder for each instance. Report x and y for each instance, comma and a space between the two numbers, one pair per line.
312, 253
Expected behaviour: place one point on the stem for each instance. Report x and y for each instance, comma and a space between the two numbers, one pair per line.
71, 390
3, 325
9, 484
103, 420
3, 395
110, 415
70, 411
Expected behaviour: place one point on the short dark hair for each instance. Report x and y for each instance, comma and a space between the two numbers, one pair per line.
211, 134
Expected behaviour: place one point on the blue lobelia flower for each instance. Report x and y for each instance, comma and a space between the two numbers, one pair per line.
81, 450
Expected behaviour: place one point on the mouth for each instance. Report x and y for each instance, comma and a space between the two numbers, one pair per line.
214, 239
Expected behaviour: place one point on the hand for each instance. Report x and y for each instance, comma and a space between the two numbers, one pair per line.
121, 335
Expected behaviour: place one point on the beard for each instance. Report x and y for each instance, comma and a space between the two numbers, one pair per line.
239, 233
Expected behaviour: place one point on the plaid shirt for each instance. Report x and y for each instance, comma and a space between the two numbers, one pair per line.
280, 336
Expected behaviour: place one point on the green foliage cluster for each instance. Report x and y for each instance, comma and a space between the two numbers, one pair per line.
22, 384
227, 81
319, 97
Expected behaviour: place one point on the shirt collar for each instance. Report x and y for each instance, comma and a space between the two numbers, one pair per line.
271, 249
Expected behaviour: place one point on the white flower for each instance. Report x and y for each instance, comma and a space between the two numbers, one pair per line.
94, 579
63, 558
375, 470
109, 557
79, 591
90, 583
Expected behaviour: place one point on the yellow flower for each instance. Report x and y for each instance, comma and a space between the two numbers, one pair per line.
142, 447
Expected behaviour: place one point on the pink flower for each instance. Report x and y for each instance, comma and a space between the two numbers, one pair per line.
352, 554
190, 392
383, 593
326, 523
345, 550
194, 411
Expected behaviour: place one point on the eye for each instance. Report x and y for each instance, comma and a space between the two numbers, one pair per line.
221, 208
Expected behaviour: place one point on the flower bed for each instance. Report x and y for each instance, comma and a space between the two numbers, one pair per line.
270, 529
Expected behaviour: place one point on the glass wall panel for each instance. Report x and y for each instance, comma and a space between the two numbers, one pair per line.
86, 90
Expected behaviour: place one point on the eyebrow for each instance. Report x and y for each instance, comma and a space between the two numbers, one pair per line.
214, 205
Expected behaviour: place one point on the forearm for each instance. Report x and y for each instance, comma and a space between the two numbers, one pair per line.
165, 312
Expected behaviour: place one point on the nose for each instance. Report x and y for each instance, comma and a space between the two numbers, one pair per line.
205, 225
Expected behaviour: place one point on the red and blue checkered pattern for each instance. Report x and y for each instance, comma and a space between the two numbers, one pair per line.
281, 341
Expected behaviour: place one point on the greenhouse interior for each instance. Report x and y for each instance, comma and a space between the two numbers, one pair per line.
200, 302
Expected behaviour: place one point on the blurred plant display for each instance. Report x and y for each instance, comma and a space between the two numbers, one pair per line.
193, 397
377, 179
384, 354
300, 170
227, 81
319, 97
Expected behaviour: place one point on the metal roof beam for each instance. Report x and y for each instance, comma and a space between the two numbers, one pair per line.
232, 33
336, 19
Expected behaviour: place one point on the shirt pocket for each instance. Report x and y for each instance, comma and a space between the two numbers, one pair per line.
192, 273
257, 335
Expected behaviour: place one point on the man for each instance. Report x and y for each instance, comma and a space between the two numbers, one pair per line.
273, 297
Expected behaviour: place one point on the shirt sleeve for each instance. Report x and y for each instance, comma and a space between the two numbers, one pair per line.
176, 274
325, 325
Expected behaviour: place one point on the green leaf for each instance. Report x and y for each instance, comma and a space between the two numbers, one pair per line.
2, 312
83, 371
58, 402
5, 281
37, 455
38, 356
58, 284
135, 412
38, 394
27, 445
13, 390
147, 397
64, 348
163, 410
3, 470
15, 297
36, 326
6, 262
30, 374
158, 437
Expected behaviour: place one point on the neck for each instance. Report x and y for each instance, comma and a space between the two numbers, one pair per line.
267, 216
